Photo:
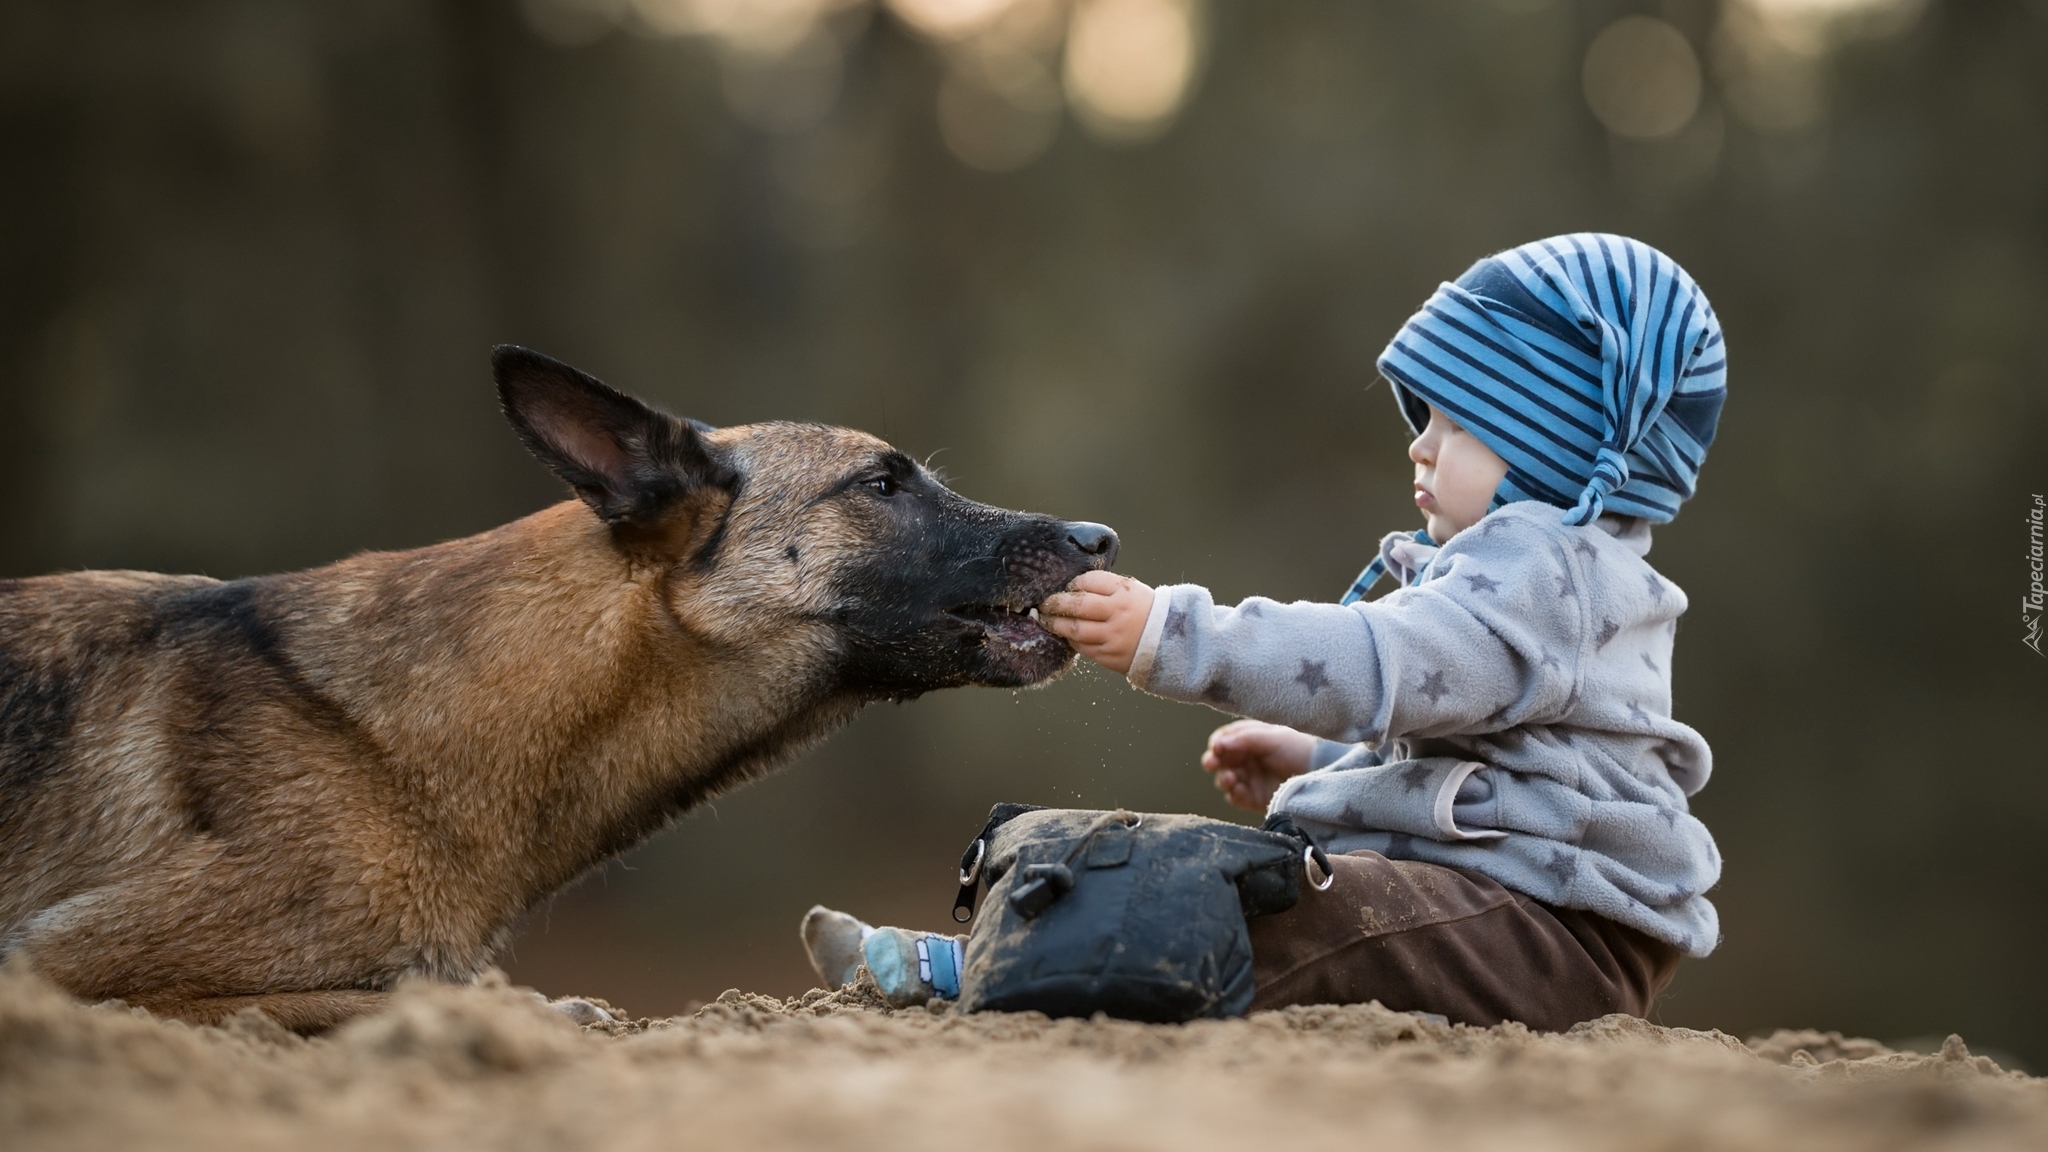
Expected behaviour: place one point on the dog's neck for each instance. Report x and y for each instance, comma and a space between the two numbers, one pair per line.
539, 701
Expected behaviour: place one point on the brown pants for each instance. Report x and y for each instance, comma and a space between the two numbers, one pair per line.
1424, 938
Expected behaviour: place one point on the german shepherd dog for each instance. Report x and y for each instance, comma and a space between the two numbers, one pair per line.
288, 792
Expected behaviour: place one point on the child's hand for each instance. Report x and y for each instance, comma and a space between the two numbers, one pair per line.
1102, 615
1250, 759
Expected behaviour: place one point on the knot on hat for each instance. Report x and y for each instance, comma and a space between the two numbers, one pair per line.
1610, 471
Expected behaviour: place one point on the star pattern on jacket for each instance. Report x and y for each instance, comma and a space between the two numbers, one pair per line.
1313, 676
1415, 777
1656, 586
1433, 687
1481, 582
1607, 630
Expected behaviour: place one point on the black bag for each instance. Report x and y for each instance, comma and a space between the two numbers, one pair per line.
1140, 916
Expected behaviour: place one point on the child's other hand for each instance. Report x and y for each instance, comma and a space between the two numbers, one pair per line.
1248, 760
1102, 615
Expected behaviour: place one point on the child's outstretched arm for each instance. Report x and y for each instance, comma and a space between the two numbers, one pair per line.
1489, 642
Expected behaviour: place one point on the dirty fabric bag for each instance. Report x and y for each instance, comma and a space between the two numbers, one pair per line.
1139, 916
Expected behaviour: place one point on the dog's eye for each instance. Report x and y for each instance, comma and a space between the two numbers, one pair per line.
884, 485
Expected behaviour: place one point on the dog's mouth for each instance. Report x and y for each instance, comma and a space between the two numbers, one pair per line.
1016, 628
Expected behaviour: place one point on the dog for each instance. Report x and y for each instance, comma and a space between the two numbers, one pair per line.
289, 792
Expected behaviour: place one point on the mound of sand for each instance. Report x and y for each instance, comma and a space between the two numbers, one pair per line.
489, 1066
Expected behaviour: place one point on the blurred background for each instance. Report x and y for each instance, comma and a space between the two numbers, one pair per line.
1121, 260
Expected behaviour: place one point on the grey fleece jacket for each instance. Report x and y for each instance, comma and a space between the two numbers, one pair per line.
1507, 711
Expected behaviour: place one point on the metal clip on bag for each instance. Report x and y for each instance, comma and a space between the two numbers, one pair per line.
1140, 916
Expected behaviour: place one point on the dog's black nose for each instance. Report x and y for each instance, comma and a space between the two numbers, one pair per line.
1094, 540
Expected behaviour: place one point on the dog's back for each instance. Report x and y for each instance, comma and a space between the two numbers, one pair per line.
82, 656
151, 738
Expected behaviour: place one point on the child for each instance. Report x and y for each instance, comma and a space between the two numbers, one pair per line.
1490, 745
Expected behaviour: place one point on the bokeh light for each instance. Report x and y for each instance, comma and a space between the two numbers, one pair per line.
764, 28
950, 19
1769, 54
1642, 79
1810, 27
1129, 64
1012, 67
999, 106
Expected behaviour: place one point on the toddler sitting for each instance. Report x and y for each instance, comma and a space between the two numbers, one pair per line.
1488, 750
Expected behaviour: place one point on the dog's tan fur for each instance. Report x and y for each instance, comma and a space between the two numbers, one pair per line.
288, 793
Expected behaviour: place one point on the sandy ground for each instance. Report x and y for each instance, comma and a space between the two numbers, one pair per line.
490, 1067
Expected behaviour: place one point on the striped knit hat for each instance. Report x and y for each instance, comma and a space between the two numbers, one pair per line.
1591, 363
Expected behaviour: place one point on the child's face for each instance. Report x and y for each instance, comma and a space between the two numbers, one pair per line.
1455, 476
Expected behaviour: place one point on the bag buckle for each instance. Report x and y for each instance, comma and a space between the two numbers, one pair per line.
970, 876
1043, 884
1312, 858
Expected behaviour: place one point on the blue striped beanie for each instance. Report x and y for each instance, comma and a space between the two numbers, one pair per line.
1591, 363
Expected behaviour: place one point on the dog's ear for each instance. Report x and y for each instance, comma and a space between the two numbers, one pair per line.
626, 460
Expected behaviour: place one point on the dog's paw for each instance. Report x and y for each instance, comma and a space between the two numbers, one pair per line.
581, 1011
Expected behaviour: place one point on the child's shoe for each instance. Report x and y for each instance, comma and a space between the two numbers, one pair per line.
833, 941
909, 967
